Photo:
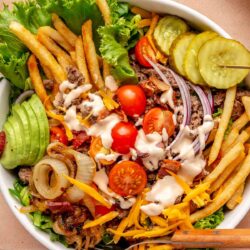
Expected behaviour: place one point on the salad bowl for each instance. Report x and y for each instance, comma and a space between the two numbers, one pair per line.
196, 20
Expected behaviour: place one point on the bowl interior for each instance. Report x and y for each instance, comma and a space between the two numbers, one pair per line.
197, 20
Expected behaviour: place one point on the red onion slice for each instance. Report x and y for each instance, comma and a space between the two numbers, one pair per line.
25, 95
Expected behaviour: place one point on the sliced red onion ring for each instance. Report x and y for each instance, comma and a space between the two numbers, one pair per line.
24, 96
185, 95
210, 98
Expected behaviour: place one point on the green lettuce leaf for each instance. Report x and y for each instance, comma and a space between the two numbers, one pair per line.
75, 13
211, 221
13, 54
21, 193
117, 39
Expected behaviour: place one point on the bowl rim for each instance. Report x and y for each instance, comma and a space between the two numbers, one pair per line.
13, 205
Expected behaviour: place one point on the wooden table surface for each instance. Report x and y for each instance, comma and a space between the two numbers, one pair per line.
233, 16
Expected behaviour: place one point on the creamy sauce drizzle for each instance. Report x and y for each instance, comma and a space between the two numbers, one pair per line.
101, 180
71, 120
103, 129
95, 103
148, 144
110, 83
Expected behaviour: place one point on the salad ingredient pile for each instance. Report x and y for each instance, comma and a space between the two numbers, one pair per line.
124, 124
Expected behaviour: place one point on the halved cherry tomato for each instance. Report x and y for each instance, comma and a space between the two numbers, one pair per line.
79, 138
124, 136
142, 49
102, 210
132, 99
127, 178
97, 147
58, 134
156, 119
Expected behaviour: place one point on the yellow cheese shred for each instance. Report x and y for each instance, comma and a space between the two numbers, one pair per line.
109, 103
101, 220
159, 221
129, 233
89, 190
122, 226
197, 191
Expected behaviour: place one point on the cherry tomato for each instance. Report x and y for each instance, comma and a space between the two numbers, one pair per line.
132, 99
127, 178
79, 138
97, 147
124, 136
156, 119
102, 210
58, 134
142, 49
2, 141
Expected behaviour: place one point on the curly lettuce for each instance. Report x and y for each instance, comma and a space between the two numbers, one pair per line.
117, 39
13, 53
211, 221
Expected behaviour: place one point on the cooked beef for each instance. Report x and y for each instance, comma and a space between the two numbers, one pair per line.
74, 75
168, 165
193, 207
238, 109
200, 176
59, 206
25, 174
197, 112
48, 84
77, 101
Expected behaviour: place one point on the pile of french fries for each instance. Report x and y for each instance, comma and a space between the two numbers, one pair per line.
230, 158
56, 49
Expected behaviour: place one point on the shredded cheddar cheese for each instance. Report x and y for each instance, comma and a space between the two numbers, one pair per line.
159, 221
122, 226
89, 190
101, 220
109, 103
129, 233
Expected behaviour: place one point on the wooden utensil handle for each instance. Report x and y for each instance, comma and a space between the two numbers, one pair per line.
223, 238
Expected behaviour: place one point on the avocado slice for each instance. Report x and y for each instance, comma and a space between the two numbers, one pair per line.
7, 159
20, 114
19, 154
42, 120
34, 133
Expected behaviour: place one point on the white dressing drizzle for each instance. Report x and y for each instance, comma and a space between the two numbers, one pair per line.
110, 83
103, 129
167, 97
95, 103
107, 157
71, 120
101, 180
148, 144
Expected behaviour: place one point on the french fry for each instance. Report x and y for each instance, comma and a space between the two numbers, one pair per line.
37, 81
40, 51
236, 198
81, 60
241, 121
226, 115
56, 36
226, 194
143, 13
73, 56
105, 69
144, 23
228, 171
225, 161
47, 72
230, 139
211, 136
153, 24
246, 103
64, 30
100, 61
90, 52
63, 58
243, 137
104, 8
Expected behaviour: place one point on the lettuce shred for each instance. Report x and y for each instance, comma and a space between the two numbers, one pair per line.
211, 221
117, 39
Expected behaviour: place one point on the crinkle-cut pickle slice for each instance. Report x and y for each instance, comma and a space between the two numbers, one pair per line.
167, 30
221, 51
178, 50
191, 67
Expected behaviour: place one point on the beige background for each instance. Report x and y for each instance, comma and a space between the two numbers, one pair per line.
233, 16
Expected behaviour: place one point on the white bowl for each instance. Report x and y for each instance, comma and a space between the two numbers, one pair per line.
161, 6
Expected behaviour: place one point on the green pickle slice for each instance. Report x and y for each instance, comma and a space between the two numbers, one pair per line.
221, 51
167, 30
191, 67
178, 50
